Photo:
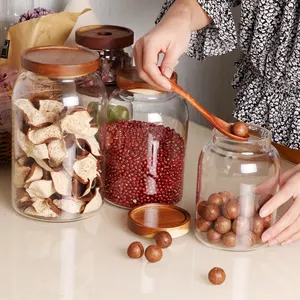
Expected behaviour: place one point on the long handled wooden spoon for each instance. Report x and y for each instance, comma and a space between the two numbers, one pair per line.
128, 79
218, 123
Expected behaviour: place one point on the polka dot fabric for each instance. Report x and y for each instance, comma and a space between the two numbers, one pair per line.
268, 68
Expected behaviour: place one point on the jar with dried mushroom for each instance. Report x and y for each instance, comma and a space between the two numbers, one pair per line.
235, 179
59, 121
145, 144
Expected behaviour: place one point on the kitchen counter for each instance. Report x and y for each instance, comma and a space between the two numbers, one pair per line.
87, 260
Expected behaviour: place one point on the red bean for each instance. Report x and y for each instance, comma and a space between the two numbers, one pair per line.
144, 164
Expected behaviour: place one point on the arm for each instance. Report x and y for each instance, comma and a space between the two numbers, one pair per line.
171, 37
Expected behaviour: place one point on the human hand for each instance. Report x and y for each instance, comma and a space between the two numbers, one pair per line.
171, 37
287, 229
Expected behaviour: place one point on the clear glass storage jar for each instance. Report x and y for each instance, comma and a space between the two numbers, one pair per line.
58, 105
113, 44
235, 179
145, 144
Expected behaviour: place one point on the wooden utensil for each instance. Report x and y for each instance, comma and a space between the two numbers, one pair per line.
128, 79
147, 220
218, 123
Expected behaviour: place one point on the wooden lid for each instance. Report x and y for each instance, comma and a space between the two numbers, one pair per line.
147, 220
128, 79
60, 61
98, 37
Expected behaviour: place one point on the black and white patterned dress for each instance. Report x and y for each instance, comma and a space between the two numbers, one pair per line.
268, 69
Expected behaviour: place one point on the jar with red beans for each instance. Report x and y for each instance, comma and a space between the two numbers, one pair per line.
145, 144
235, 180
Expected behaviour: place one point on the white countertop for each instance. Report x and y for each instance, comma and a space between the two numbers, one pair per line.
87, 260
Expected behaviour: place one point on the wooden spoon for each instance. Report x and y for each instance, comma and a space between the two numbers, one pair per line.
129, 80
218, 123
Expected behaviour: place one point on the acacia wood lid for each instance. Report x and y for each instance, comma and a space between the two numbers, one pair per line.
147, 220
128, 79
99, 37
60, 61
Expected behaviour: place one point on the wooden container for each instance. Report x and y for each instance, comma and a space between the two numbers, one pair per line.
147, 220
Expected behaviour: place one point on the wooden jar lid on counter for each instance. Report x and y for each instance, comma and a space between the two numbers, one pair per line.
147, 220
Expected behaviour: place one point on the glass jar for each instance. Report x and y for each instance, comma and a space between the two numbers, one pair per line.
114, 46
235, 179
145, 145
59, 110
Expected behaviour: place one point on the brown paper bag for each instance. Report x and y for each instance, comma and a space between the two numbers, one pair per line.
52, 29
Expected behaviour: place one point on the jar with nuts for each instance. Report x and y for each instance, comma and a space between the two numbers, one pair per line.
59, 120
235, 179
145, 144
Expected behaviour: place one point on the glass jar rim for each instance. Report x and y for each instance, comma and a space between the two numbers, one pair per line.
263, 139
131, 96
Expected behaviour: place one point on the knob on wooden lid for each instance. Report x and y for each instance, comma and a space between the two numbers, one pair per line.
98, 37
147, 220
128, 79
60, 61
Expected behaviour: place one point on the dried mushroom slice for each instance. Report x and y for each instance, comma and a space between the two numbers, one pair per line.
22, 195
25, 160
70, 140
95, 203
23, 199
76, 123
41, 189
86, 169
40, 208
36, 173
78, 189
90, 141
38, 152
44, 135
57, 152
51, 109
33, 116
20, 174
72, 206
53, 206
62, 183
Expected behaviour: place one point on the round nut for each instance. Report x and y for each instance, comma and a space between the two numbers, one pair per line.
203, 225
216, 276
213, 236
240, 129
163, 239
135, 250
215, 199
229, 239
210, 212
257, 225
153, 253
240, 225
222, 224
226, 196
200, 207
248, 239
231, 209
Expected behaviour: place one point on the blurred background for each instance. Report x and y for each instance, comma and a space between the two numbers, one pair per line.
209, 81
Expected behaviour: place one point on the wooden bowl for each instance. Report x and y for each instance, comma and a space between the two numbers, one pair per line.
147, 220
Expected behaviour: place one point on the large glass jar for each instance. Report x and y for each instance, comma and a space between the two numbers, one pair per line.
145, 145
114, 46
235, 179
59, 110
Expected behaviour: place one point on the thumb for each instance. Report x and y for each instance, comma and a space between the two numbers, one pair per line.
170, 61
